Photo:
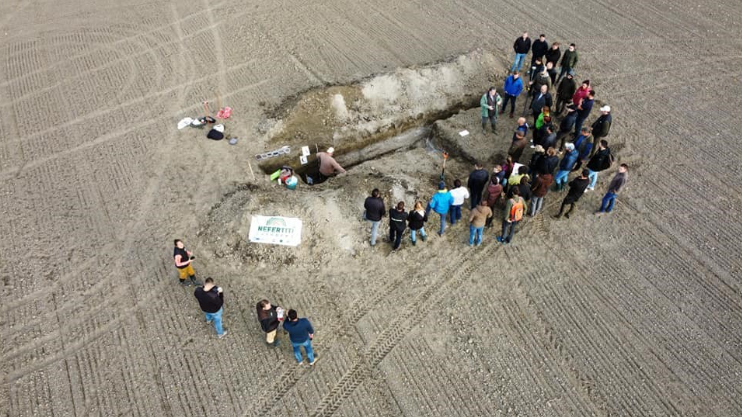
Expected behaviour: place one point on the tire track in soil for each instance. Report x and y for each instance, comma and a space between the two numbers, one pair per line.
454, 273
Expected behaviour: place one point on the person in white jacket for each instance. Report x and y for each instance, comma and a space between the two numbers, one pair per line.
460, 194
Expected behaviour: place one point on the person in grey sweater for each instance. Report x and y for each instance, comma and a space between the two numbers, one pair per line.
615, 186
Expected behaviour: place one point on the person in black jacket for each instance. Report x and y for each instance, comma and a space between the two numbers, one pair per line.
374, 211
211, 300
524, 188
601, 161
565, 91
602, 126
548, 163
477, 181
553, 55
397, 225
521, 47
270, 318
539, 49
576, 189
540, 100
416, 219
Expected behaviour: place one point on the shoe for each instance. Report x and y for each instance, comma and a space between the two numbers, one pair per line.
479, 244
300, 363
506, 242
471, 244
313, 362
558, 216
209, 321
598, 213
222, 335
440, 234
511, 115
184, 283
194, 281
499, 239
588, 189
423, 237
566, 215
414, 242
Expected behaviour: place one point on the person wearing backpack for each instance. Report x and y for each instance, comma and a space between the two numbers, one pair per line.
514, 210
416, 220
601, 161
617, 183
576, 189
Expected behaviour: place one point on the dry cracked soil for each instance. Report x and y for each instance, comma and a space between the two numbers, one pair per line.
633, 314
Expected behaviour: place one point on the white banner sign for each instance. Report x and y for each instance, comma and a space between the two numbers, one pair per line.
275, 230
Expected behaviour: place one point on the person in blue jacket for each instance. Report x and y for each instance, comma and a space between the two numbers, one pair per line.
440, 203
567, 165
513, 87
584, 144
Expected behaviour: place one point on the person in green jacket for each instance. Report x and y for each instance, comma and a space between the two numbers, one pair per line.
490, 104
569, 61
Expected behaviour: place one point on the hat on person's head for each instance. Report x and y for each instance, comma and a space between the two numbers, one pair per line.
605, 108
570, 146
330, 150
441, 185
539, 148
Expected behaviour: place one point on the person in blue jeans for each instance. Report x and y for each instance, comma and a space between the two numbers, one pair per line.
477, 220
301, 334
211, 300
521, 47
459, 194
374, 211
601, 161
617, 183
416, 220
440, 203
566, 165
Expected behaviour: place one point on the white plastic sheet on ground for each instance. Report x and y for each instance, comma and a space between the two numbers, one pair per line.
275, 230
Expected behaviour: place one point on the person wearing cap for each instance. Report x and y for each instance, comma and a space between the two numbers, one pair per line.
374, 210
476, 183
490, 104
565, 91
617, 183
328, 166
513, 87
569, 61
459, 194
602, 126
440, 203
566, 165
521, 47
576, 189
584, 109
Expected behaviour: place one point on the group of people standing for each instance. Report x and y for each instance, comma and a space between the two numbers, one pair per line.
520, 189
211, 301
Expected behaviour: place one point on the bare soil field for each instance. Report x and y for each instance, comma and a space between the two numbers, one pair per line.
633, 314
